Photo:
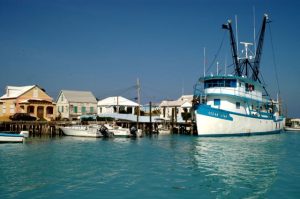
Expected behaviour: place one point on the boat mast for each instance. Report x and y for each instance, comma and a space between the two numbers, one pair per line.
254, 39
204, 62
244, 64
236, 33
139, 101
259, 49
228, 26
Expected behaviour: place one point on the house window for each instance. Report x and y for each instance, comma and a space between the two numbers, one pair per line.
91, 109
238, 105
129, 109
217, 102
30, 109
12, 108
62, 109
4, 108
49, 110
62, 98
83, 109
122, 109
75, 109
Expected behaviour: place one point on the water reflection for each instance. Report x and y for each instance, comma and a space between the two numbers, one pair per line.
230, 165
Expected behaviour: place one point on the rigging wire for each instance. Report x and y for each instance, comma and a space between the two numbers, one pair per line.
274, 61
218, 52
121, 91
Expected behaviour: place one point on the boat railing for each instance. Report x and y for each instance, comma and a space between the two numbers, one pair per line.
234, 92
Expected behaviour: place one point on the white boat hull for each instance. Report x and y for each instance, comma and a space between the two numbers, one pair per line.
235, 124
118, 131
7, 138
164, 131
291, 129
81, 131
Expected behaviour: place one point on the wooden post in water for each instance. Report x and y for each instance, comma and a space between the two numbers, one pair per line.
139, 101
150, 109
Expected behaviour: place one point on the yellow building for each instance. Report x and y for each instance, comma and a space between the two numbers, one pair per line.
27, 99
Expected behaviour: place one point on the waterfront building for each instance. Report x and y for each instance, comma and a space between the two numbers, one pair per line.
155, 109
72, 104
27, 99
117, 104
177, 110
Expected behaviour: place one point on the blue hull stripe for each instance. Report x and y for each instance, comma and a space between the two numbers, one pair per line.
241, 134
222, 114
212, 112
10, 135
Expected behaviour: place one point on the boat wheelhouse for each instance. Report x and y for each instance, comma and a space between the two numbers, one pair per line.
237, 103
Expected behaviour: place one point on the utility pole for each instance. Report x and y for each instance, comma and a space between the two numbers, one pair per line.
150, 109
139, 101
204, 62
118, 107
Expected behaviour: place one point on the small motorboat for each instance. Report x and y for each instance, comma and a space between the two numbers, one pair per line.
117, 131
13, 138
295, 125
82, 131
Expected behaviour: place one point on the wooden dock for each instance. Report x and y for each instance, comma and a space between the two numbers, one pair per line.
41, 128
36, 128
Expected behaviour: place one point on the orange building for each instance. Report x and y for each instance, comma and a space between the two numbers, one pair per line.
27, 99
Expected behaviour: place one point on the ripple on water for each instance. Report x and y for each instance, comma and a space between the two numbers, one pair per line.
163, 167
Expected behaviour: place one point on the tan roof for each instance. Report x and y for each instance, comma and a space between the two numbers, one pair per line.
79, 96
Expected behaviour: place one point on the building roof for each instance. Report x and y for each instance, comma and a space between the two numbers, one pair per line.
16, 91
79, 96
184, 101
117, 101
128, 117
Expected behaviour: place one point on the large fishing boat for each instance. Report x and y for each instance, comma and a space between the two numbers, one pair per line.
237, 103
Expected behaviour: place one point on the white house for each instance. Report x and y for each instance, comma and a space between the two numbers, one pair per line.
72, 104
173, 109
117, 104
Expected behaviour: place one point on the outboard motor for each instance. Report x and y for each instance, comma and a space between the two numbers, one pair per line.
104, 131
133, 131
25, 134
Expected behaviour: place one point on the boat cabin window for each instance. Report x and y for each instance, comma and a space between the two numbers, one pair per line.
249, 87
217, 102
238, 105
220, 83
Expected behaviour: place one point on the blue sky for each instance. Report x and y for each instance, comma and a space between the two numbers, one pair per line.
104, 46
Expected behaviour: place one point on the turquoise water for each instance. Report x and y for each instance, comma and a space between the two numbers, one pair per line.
158, 167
